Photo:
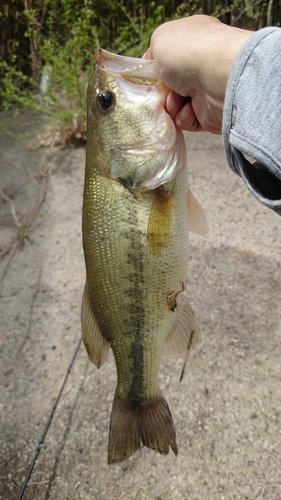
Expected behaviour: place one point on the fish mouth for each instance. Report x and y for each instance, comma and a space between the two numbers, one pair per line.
137, 71
161, 137
133, 69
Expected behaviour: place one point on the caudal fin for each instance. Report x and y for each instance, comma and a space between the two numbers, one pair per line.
150, 423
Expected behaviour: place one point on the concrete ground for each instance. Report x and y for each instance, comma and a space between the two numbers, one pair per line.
227, 409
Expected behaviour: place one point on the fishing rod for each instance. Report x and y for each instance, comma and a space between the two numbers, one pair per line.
41, 442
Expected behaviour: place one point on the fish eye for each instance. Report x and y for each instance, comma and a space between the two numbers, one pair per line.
105, 100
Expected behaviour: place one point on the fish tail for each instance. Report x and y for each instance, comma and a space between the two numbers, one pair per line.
150, 423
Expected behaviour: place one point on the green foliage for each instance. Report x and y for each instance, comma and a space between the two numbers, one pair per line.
23, 232
56, 40
70, 64
15, 87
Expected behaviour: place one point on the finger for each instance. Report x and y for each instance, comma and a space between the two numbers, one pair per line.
175, 102
186, 119
148, 54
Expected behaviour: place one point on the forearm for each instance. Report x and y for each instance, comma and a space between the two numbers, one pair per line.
252, 116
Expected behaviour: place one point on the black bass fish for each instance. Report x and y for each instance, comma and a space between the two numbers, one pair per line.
137, 212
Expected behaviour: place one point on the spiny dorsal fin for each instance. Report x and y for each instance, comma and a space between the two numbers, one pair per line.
96, 345
196, 216
185, 334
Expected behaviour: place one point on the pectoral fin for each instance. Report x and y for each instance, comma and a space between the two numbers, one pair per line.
184, 335
196, 216
96, 345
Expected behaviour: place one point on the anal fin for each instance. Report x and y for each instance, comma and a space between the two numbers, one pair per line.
96, 345
185, 334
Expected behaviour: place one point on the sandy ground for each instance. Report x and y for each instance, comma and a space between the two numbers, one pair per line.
227, 409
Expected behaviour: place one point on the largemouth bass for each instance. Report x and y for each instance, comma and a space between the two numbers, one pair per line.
135, 237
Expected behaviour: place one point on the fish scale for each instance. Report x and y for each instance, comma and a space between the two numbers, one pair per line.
135, 238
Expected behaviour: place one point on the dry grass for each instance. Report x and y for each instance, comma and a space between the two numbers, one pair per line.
71, 135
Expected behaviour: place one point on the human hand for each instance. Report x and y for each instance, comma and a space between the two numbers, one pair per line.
193, 57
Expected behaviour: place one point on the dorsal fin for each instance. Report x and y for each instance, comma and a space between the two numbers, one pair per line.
96, 345
196, 216
184, 335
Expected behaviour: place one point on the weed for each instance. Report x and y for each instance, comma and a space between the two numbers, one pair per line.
48, 46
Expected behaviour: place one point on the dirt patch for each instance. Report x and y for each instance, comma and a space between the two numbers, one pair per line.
227, 409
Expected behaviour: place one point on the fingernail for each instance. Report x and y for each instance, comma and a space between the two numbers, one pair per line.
170, 103
184, 113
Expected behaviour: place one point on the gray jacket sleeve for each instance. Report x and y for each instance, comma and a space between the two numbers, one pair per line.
252, 116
